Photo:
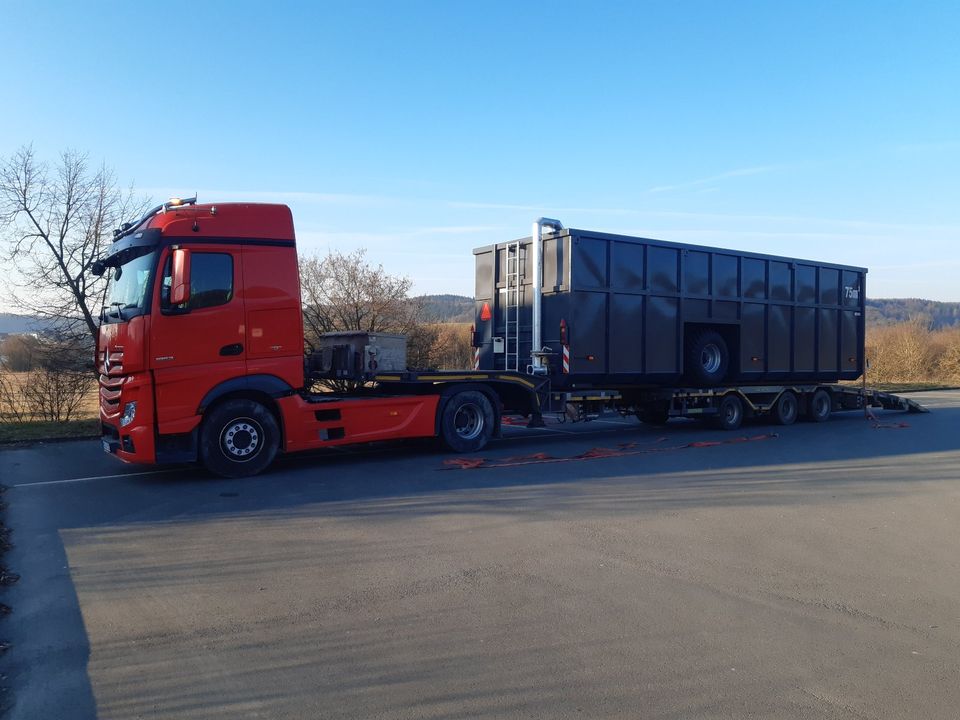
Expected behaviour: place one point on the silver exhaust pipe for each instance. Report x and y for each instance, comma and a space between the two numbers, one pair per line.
536, 360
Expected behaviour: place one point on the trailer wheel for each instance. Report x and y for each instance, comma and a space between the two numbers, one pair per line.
708, 358
730, 412
239, 438
466, 422
821, 405
787, 408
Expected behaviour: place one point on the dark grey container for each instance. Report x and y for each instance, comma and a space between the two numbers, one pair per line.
632, 305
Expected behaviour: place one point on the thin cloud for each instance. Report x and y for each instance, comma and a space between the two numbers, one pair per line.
315, 198
536, 208
945, 146
740, 172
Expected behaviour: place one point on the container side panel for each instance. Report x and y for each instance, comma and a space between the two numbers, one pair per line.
696, 273
697, 311
829, 286
726, 276
589, 262
588, 332
752, 354
804, 340
662, 269
626, 267
554, 275
754, 278
850, 342
485, 294
661, 338
806, 284
526, 263
726, 310
852, 289
556, 307
485, 279
827, 358
779, 338
781, 281
626, 323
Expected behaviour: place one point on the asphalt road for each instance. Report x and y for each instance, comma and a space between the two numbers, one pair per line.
811, 575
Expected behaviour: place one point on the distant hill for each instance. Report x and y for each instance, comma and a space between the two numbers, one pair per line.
11, 324
460, 308
447, 308
937, 315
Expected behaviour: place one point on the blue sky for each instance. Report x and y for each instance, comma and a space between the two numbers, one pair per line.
422, 130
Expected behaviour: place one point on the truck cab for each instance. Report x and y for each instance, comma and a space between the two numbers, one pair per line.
203, 303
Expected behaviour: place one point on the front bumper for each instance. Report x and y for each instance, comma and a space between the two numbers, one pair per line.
136, 442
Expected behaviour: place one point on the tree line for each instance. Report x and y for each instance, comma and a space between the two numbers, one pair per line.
56, 220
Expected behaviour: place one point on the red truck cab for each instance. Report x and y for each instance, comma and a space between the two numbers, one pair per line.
201, 356
203, 302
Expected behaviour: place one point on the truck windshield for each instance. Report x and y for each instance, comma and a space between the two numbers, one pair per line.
128, 287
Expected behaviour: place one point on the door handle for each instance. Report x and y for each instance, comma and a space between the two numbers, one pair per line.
234, 349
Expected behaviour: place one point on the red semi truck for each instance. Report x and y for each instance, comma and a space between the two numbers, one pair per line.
201, 358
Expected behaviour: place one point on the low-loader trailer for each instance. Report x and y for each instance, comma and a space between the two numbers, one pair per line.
201, 357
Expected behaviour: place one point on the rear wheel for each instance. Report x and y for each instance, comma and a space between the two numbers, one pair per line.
466, 422
708, 358
730, 415
821, 405
239, 438
787, 408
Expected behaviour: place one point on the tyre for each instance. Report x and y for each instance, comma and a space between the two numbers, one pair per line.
238, 438
787, 408
708, 358
821, 405
730, 412
466, 421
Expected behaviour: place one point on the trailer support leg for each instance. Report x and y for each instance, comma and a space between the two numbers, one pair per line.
536, 420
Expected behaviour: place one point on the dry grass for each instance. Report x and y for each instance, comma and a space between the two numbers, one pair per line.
909, 353
24, 417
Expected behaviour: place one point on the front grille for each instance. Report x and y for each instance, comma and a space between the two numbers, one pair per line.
116, 363
110, 392
111, 380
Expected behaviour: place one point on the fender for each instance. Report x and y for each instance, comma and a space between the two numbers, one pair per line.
267, 384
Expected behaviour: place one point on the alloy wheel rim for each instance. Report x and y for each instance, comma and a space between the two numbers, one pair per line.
710, 358
241, 439
468, 421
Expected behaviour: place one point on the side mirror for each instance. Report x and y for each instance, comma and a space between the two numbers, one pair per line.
180, 277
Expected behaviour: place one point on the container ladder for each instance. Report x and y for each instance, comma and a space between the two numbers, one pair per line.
512, 310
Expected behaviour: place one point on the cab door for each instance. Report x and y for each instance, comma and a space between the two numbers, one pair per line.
196, 345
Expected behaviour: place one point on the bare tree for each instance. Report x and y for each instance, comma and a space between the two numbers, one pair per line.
342, 291
19, 353
54, 222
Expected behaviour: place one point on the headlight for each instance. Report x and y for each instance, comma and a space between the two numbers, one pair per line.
129, 412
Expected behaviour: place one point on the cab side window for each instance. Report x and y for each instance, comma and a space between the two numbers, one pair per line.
211, 281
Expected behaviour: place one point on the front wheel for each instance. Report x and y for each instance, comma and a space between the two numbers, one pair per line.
466, 421
239, 438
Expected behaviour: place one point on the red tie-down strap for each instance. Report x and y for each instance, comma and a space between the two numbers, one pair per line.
622, 450
878, 425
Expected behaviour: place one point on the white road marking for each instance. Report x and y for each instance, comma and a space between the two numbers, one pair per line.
94, 477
